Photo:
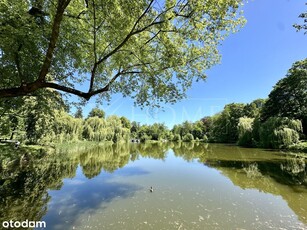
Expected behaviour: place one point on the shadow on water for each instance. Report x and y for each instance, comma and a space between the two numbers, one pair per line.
33, 184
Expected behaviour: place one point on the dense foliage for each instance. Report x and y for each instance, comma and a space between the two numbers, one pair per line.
289, 96
31, 123
149, 50
280, 132
277, 122
245, 131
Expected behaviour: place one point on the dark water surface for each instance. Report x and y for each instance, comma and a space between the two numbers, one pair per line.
196, 186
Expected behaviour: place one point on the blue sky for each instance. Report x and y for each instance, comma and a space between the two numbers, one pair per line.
253, 60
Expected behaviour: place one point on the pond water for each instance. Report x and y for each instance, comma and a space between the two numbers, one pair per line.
195, 186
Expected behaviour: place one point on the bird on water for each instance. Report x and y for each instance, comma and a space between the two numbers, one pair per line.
151, 189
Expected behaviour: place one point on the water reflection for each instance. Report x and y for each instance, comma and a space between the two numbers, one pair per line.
24, 181
278, 173
30, 182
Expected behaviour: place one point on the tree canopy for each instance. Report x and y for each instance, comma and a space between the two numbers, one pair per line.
147, 49
289, 96
96, 112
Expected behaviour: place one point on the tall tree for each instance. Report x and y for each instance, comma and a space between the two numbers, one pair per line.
254, 108
224, 127
289, 96
96, 112
148, 49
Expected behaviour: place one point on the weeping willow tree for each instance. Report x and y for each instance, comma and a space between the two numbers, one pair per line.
117, 130
66, 128
285, 137
188, 137
245, 128
279, 132
109, 129
106, 157
95, 129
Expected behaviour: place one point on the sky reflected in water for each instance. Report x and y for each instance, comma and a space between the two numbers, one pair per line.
195, 187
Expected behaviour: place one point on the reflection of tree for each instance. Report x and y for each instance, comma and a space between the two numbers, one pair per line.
154, 150
293, 195
106, 157
255, 169
25, 177
24, 184
189, 150
252, 171
295, 168
269, 176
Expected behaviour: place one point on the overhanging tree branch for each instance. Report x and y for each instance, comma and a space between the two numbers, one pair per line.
140, 40
29, 88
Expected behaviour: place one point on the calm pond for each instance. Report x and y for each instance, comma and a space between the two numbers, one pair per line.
195, 186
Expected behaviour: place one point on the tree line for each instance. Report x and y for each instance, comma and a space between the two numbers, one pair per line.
277, 122
280, 121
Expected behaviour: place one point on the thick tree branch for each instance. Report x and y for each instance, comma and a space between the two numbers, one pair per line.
93, 72
62, 4
27, 89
